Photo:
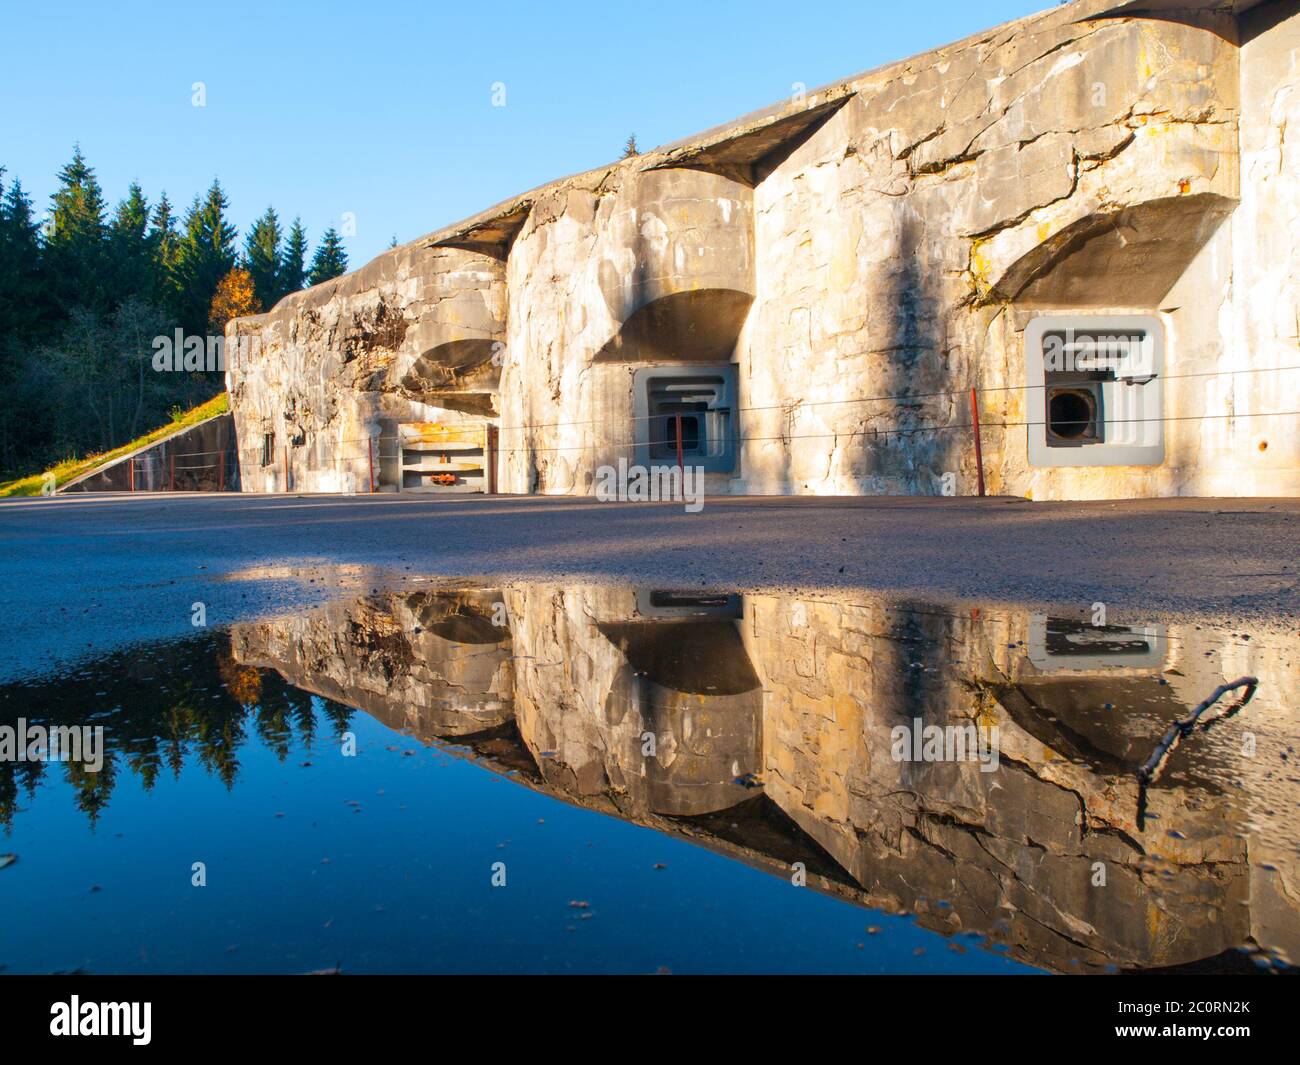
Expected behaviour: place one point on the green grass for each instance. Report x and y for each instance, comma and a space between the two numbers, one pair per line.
72, 468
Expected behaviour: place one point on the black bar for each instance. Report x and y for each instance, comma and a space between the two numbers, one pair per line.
336, 1012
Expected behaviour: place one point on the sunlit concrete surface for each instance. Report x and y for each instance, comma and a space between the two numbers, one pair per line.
79, 576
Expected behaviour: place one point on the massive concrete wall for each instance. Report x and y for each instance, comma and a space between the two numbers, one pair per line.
408, 338
900, 244
611, 272
1258, 456
887, 236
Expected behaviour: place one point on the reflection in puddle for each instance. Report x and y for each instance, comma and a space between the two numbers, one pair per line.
843, 741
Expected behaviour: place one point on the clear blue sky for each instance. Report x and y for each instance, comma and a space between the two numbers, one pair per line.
384, 109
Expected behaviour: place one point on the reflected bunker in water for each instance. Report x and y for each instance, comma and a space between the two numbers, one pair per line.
765, 726
976, 769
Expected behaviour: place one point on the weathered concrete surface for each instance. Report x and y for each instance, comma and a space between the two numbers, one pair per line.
82, 575
974, 181
791, 704
334, 368
886, 236
611, 272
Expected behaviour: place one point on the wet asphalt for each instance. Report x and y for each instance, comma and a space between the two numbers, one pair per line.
84, 575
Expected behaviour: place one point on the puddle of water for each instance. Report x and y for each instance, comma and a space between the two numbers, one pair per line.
545, 778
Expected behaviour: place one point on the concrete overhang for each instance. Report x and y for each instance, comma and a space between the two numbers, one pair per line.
1138, 8
739, 150
490, 232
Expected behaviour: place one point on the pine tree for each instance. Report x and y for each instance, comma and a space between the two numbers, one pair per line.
205, 254
24, 311
262, 257
23, 303
293, 266
130, 254
164, 243
330, 259
629, 147
84, 290
75, 250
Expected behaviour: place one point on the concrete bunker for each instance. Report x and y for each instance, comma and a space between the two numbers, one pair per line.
669, 367
851, 262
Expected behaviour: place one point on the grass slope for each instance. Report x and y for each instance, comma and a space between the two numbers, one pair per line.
66, 471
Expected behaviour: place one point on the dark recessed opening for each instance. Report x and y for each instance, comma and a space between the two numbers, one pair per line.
666, 436
661, 603
688, 599
1068, 636
702, 397
1071, 415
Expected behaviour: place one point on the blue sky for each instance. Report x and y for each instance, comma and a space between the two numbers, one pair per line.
385, 110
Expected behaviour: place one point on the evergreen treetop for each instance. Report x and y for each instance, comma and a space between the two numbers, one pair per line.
293, 266
330, 259
263, 257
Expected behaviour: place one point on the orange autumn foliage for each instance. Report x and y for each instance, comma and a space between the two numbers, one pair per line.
243, 682
234, 297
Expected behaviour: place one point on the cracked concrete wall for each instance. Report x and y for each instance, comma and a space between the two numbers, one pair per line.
620, 270
890, 235
1253, 455
901, 243
408, 338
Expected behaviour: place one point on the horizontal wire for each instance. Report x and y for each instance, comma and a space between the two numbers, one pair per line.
892, 431
188, 454
906, 396
671, 442
795, 407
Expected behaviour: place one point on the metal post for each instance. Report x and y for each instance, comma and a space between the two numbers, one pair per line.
370, 450
679, 442
492, 459
286, 467
171, 472
221, 473
979, 453
130, 472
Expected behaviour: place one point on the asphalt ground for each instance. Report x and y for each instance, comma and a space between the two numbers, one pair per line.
84, 574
